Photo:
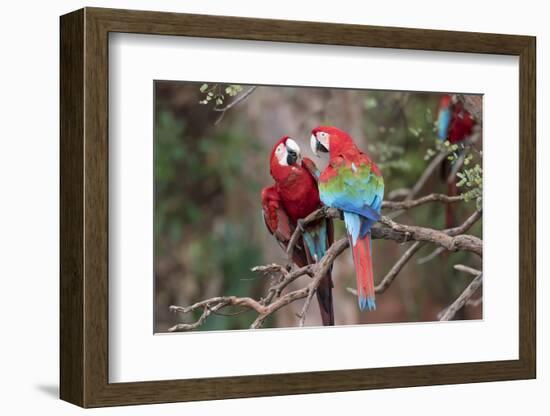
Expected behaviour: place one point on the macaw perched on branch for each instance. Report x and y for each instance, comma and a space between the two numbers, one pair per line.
455, 124
353, 184
293, 197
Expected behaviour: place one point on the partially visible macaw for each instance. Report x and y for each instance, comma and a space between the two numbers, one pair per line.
455, 124
353, 184
293, 197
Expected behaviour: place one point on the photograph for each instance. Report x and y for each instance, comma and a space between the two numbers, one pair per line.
288, 206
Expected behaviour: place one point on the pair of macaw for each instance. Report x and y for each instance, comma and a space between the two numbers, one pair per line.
351, 183
455, 124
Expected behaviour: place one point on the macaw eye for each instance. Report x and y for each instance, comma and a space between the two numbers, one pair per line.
279, 149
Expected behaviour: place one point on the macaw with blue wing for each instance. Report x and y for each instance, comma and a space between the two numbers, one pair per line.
455, 124
353, 184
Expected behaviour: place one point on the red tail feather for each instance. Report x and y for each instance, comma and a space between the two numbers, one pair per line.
363, 272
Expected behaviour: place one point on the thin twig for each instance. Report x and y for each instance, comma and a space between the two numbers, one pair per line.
397, 267
408, 203
436, 252
459, 303
236, 101
398, 193
434, 164
306, 307
475, 302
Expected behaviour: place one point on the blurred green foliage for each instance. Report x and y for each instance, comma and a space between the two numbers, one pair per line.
197, 185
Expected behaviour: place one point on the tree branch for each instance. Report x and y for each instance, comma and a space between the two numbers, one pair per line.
466, 295
334, 213
434, 164
450, 239
306, 307
397, 267
409, 203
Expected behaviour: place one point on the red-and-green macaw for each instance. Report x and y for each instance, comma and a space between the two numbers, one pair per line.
455, 124
293, 197
353, 184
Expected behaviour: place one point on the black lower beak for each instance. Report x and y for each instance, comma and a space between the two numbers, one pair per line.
320, 148
291, 157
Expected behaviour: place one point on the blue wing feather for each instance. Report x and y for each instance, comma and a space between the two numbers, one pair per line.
359, 197
443, 122
360, 194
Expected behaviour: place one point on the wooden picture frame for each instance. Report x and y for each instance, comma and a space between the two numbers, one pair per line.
84, 207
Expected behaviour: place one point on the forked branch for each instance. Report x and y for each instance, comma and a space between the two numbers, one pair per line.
450, 239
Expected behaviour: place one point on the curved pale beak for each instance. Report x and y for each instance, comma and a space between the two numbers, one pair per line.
293, 153
318, 145
313, 144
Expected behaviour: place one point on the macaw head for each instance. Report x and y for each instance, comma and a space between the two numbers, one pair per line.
328, 139
445, 102
285, 155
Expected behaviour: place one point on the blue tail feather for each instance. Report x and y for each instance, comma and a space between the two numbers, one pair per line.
357, 226
316, 240
366, 303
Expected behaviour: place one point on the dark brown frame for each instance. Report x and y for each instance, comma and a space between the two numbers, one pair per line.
84, 207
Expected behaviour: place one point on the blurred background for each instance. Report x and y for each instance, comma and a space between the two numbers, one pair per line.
210, 168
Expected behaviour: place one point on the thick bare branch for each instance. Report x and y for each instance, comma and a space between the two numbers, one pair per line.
334, 213
446, 239
450, 239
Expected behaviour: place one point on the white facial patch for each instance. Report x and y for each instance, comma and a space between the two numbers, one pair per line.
292, 145
281, 154
320, 137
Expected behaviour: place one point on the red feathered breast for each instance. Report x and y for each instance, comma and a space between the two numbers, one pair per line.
299, 193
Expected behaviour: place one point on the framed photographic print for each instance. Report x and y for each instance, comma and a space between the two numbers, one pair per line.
256, 207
